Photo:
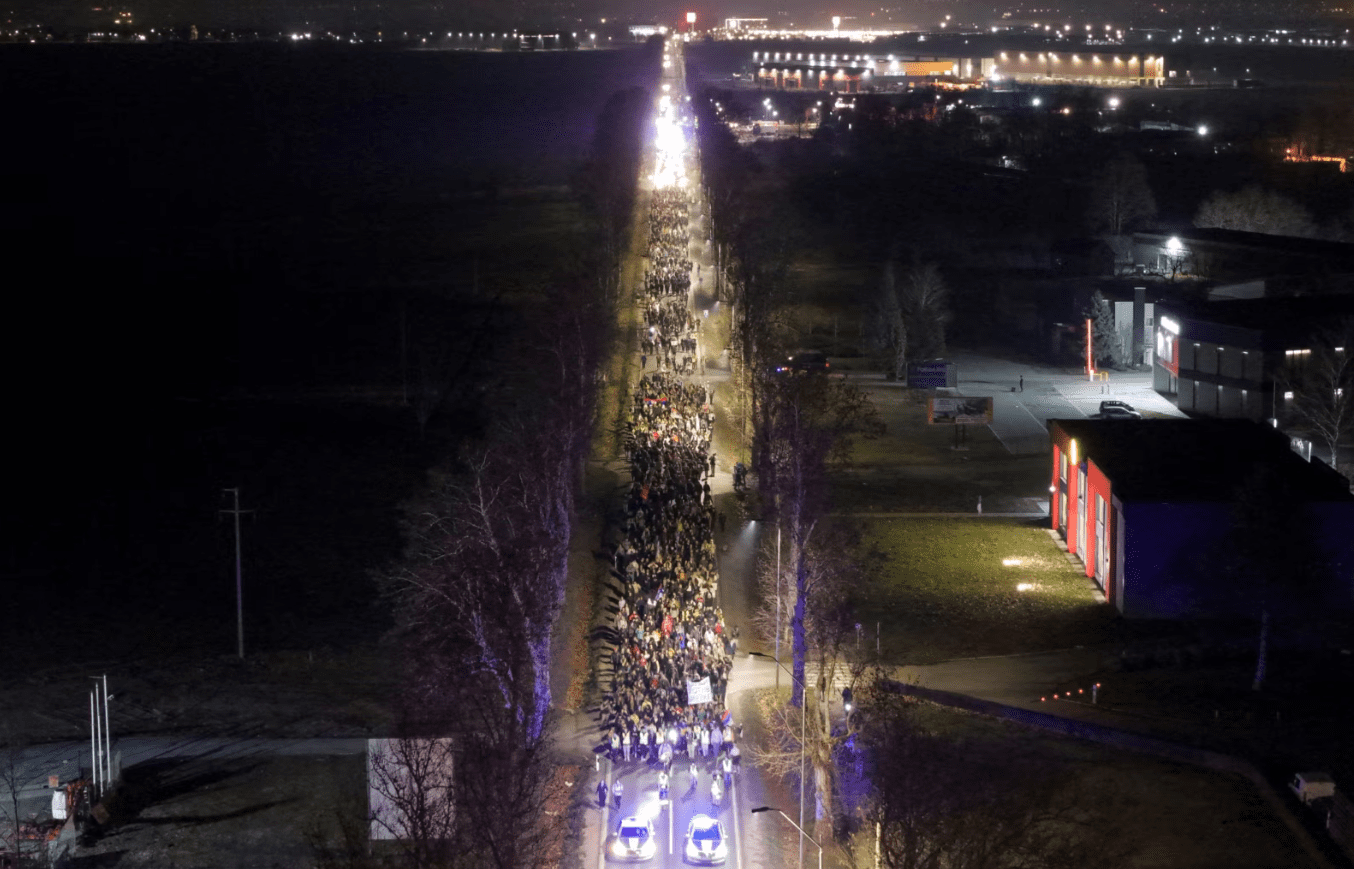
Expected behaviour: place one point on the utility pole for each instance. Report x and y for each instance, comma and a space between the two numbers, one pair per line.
235, 512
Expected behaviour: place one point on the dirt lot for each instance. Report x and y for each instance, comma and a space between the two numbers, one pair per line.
208, 813
238, 813
295, 694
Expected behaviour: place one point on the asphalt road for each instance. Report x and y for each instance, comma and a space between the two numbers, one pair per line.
670, 819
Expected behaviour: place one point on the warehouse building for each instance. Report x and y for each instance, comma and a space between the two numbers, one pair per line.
1145, 503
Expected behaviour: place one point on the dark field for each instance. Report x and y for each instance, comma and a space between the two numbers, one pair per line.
230, 265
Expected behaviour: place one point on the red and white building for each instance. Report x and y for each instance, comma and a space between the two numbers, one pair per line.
1140, 503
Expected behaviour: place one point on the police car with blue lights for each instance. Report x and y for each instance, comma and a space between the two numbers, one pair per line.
706, 843
634, 840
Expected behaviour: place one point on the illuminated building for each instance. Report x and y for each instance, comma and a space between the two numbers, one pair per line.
1146, 504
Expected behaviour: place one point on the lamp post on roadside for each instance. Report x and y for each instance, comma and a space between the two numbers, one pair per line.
803, 717
803, 834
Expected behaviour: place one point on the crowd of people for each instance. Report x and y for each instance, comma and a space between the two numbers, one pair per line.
671, 331
669, 272
669, 629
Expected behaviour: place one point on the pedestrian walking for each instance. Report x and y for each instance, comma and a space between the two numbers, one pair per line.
625, 741
980, 505
643, 361
617, 790
712, 463
615, 746
601, 795
721, 522
1022, 383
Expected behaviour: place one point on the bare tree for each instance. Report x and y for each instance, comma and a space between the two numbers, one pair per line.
30, 850
1120, 198
808, 424
11, 785
1272, 560
925, 301
837, 578
1255, 209
412, 780
891, 328
1323, 388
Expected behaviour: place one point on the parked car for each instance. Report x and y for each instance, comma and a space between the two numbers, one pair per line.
1309, 786
634, 840
1113, 409
706, 843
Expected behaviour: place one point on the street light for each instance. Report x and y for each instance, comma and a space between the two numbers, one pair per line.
803, 717
801, 833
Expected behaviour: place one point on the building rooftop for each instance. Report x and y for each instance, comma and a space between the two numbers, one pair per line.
1336, 252
1285, 321
1195, 460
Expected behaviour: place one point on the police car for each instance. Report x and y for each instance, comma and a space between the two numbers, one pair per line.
706, 843
634, 840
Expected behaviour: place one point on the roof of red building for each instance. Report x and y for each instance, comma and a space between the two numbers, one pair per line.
1195, 460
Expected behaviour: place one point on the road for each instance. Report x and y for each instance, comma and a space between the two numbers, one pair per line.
640, 780
670, 820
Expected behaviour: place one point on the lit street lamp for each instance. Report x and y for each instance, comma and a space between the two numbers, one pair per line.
803, 716
801, 833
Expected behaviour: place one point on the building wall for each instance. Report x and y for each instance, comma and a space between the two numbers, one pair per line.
1092, 68
788, 77
1160, 559
1220, 379
1082, 511
1168, 573
1123, 325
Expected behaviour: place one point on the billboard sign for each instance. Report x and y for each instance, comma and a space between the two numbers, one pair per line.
931, 375
946, 410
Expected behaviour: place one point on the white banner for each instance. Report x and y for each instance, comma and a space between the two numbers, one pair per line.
699, 692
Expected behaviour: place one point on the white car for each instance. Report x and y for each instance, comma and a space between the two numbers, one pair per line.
1112, 409
634, 840
706, 843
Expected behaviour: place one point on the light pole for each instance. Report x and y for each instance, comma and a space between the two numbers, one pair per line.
803, 717
803, 834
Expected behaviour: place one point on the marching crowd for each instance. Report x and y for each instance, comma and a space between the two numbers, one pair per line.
669, 272
669, 628
671, 330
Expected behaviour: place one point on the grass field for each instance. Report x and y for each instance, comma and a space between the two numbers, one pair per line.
952, 588
1169, 814
1165, 815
